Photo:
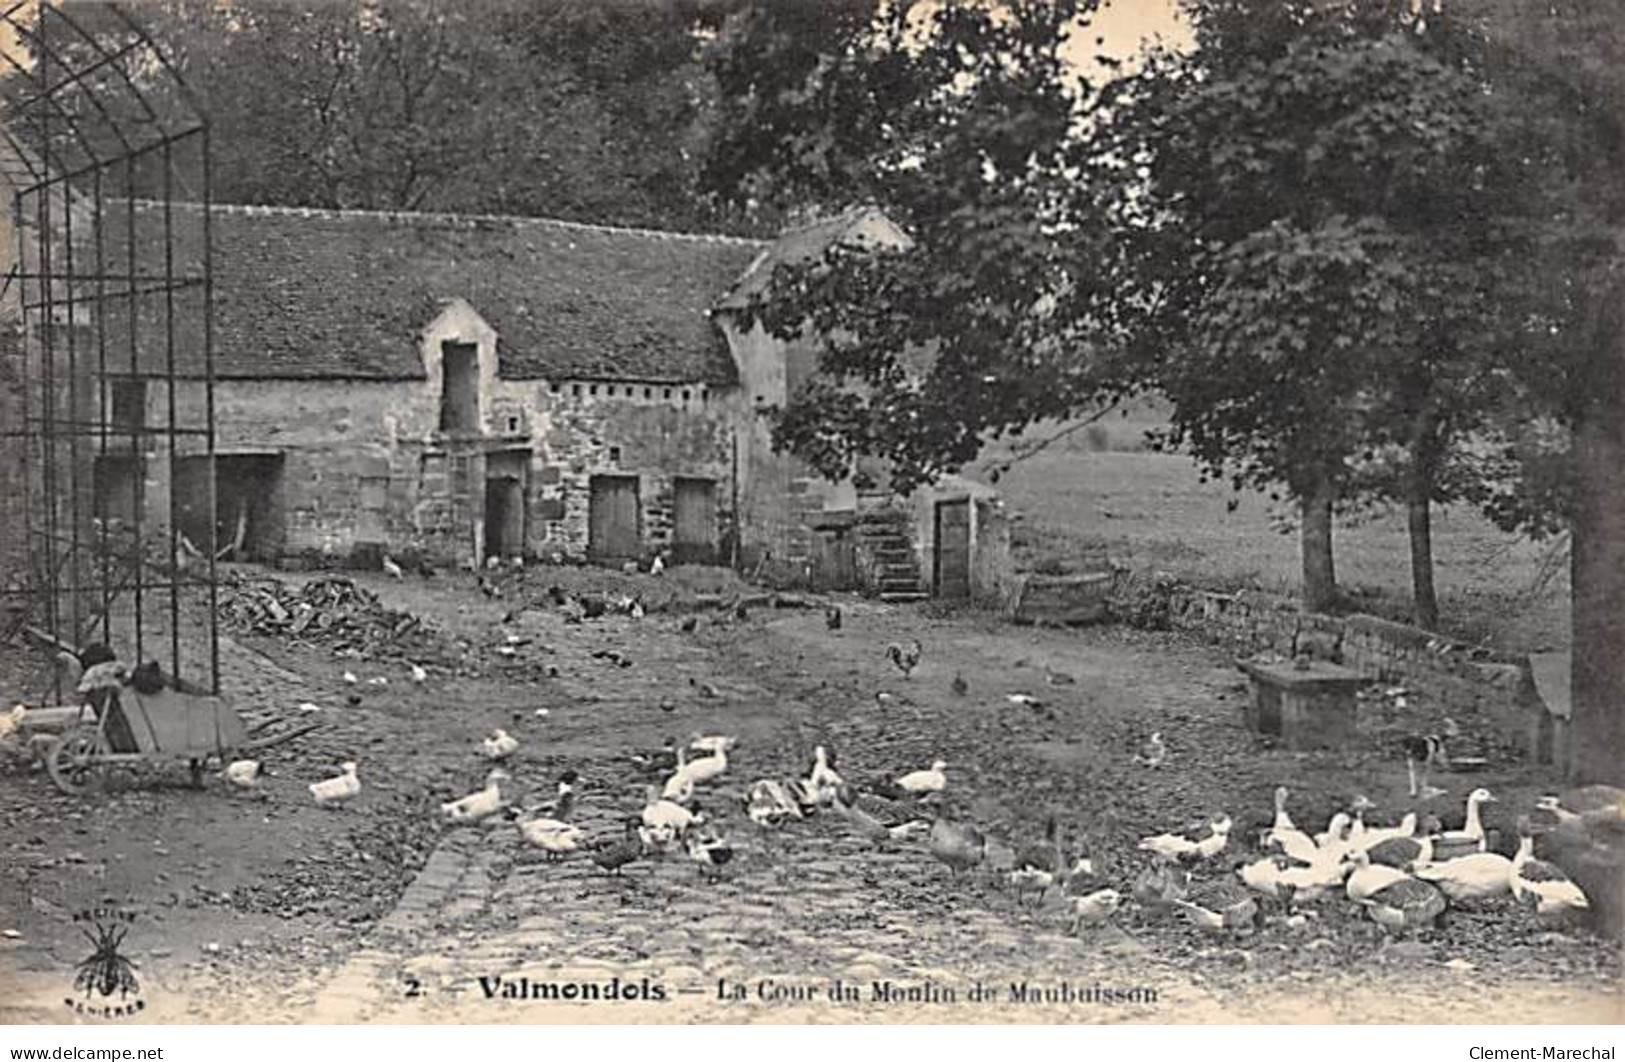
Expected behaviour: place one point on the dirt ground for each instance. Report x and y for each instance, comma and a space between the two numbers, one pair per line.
261, 906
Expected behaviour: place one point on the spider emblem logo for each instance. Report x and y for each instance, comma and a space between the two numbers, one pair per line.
105, 971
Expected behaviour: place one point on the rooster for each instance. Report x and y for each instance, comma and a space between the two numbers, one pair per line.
905, 658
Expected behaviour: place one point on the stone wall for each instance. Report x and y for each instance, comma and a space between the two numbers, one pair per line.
1467, 680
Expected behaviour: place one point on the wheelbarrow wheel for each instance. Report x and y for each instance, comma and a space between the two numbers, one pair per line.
74, 761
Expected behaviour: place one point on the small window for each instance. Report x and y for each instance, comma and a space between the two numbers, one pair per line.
575, 389
648, 392
667, 394
592, 390
614, 455
685, 396
129, 410
554, 387
513, 424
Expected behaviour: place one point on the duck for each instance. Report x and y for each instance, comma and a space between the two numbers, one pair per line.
1375, 835
882, 819
1158, 885
660, 813
1263, 876
1477, 876
679, 786
1095, 908
823, 780
925, 783
1542, 883
1367, 878
711, 853
1218, 836
957, 844
1040, 865
658, 761
612, 854
706, 768
479, 804
1550, 814
1168, 846
1401, 852
1220, 906
770, 803
556, 839
1405, 904
336, 790
1336, 831
242, 773
499, 745
1471, 835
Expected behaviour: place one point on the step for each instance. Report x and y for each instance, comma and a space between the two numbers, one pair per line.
902, 596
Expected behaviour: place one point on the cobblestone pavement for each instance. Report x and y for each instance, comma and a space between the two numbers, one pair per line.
814, 903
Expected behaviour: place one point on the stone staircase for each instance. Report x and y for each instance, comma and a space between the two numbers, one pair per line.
887, 549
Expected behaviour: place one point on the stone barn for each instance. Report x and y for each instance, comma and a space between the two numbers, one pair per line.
453, 389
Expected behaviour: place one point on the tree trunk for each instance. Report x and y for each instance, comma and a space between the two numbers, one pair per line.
1419, 512
1598, 576
1319, 576
1425, 603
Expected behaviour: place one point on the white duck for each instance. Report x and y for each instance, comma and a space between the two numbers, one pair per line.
662, 814
708, 768
243, 773
824, 782
1173, 846
1335, 833
334, 791
556, 839
1472, 831
924, 783
479, 804
1477, 876
1543, 882
500, 745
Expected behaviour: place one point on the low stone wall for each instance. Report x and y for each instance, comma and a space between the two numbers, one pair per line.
1469, 681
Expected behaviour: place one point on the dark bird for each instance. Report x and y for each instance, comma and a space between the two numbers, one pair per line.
688, 624
959, 685
832, 617
741, 613
612, 854
905, 658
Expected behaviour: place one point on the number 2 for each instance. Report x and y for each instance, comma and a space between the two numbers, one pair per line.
414, 987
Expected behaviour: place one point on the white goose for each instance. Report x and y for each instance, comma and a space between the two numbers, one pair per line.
1374, 836
660, 814
1543, 882
924, 783
1472, 831
1477, 876
337, 790
1369, 878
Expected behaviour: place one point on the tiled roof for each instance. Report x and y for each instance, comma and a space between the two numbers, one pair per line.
344, 294
858, 227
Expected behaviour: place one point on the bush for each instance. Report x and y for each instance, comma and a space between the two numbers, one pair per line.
1142, 600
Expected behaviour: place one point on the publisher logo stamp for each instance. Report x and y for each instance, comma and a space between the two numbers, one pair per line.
105, 984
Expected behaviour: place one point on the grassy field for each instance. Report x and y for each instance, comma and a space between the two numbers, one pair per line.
1099, 496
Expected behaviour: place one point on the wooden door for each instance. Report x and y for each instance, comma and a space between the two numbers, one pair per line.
504, 516
951, 577
694, 516
612, 518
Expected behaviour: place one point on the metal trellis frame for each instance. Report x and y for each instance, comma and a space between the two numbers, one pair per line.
106, 320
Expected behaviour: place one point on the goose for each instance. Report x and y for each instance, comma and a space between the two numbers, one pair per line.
1283, 822
1471, 835
500, 745
1550, 813
1039, 866
958, 845
1375, 835
1336, 831
1405, 904
479, 804
1219, 906
1314, 882
1263, 876
1478, 876
1095, 908
242, 773
823, 781
706, 768
1401, 852
1368, 878
1215, 841
679, 786
660, 813
611, 854
336, 790
712, 854
1292, 841
924, 783
1543, 883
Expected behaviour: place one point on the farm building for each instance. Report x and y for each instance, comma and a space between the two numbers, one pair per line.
457, 388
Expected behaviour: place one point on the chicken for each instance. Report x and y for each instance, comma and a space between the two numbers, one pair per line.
905, 658
1095, 908
242, 773
832, 617
500, 745
394, 570
334, 791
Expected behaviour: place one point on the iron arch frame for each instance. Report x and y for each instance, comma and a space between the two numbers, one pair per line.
107, 332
